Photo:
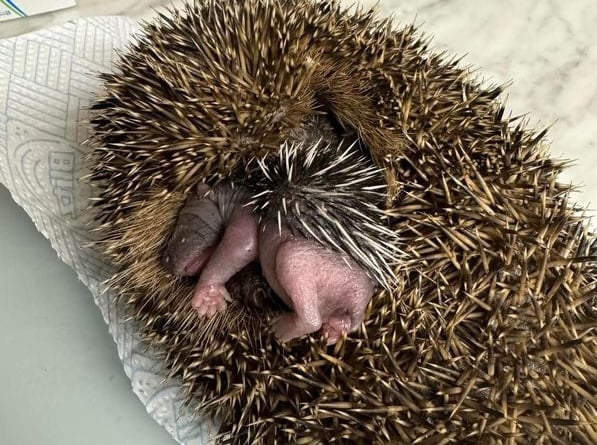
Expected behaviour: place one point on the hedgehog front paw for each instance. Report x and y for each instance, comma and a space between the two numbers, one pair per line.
210, 298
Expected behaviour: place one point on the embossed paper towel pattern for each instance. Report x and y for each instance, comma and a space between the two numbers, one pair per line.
47, 80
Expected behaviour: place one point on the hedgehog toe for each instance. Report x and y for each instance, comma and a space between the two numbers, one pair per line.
209, 299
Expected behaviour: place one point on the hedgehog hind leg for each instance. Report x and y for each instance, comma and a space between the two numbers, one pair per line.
292, 325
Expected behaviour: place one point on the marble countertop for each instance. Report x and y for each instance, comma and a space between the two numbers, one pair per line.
545, 47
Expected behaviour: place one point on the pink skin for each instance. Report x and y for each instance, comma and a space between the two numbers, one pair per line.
236, 249
323, 291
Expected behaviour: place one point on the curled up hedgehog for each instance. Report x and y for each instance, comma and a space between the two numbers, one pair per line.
314, 196
331, 235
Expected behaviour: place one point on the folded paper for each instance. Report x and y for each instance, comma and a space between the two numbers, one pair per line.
47, 80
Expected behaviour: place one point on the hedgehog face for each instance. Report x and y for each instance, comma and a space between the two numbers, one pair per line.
197, 231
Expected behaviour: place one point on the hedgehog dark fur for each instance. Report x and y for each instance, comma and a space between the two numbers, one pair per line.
489, 338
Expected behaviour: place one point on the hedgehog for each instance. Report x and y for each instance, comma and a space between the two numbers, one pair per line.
313, 196
487, 336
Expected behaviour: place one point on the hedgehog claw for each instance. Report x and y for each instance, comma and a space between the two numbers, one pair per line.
209, 299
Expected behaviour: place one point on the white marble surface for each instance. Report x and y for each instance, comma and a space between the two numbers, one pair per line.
546, 47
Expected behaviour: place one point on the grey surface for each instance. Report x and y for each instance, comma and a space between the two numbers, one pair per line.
62, 382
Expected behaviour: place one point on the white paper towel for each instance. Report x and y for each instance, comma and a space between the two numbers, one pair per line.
46, 82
